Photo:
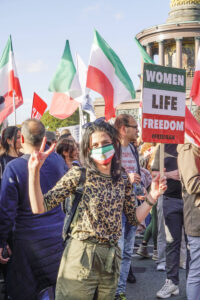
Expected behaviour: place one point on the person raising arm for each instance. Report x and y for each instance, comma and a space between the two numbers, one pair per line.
107, 192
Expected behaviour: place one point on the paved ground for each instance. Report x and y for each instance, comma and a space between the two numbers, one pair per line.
149, 281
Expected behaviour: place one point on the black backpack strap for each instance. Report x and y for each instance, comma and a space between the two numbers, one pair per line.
77, 199
82, 177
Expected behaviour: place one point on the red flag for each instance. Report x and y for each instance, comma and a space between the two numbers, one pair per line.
38, 107
195, 90
192, 128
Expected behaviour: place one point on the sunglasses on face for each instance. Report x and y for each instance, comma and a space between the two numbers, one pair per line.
132, 126
97, 122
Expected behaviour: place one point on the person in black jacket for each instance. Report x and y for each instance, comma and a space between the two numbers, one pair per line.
37, 239
173, 215
10, 145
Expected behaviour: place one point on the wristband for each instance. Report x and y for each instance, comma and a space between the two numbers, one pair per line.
149, 202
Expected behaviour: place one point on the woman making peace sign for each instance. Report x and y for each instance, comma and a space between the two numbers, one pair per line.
91, 260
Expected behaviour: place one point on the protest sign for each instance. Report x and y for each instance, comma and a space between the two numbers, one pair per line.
74, 129
163, 118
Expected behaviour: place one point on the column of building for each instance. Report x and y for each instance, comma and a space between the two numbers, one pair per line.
161, 54
179, 52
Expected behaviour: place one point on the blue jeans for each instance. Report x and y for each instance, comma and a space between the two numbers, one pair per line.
193, 280
126, 244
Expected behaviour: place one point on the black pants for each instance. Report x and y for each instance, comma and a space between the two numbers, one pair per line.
173, 214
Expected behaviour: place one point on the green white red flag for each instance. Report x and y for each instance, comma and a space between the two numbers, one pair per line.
66, 87
9, 81
108, 77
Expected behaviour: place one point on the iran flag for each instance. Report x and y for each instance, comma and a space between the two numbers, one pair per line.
195, 90
108, 77
9, 81
66, 87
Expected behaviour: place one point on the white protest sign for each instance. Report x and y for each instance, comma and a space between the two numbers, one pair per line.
74, 129
163, 118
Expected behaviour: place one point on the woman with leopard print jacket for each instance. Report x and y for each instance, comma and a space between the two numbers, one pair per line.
90, 264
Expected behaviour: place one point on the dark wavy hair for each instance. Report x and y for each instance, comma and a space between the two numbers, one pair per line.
85, 146
67, 145
9, 133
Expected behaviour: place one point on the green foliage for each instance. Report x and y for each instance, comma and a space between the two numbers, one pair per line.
53, 123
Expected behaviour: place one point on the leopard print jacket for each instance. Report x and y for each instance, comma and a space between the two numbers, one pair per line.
100, 209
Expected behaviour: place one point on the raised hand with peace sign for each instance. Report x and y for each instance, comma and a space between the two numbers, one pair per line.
36, 161
37, 158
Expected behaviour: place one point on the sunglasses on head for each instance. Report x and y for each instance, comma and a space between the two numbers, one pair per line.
97, 122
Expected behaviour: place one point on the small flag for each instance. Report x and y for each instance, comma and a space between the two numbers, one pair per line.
108, 77
9, 81
38, 107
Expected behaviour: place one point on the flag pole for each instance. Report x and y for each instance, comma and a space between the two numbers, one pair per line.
162, 163
14, 108
81, 122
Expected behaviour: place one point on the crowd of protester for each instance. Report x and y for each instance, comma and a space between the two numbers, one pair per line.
123, 196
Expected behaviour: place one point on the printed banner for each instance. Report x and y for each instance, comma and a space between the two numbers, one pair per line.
163, 118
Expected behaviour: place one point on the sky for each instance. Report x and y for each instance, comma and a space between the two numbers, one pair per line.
39, 29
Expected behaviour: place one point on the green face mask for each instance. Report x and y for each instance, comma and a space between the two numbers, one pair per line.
103, 155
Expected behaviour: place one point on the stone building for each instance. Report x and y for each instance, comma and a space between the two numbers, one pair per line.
176, 43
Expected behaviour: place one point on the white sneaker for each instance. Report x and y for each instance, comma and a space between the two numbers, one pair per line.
168, 289
161, 266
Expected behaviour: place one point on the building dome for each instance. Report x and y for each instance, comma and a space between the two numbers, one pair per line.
175, 3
